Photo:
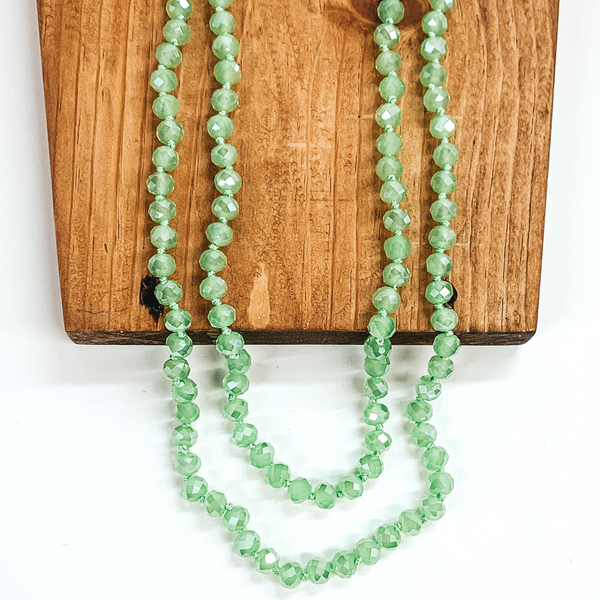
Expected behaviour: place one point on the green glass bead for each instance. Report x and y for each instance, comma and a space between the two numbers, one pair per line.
350, 486
236, 383
445, 154
388, 62
187, 464
392, 88
163, 81
213, 260
435, 22
177, 31
213, 287
442, 5
278, 475
225, 46
185, 390
224, 155
343, 564
179, 345
433, 508
376, 414
423, 434
436, 98
446, 345
389, 144
442, 237
228, 71
396, 219
440, 368
388, 115
375, 388
433, 74
228, 180
165, 158
261, 456
444, 182
240, 363
370, 466
179, 9
410, 522
186, 412
368, 550
317, 570
163, 236
178, 320
381, 326
377, 367
443, 210
396, 274
235, 409
386, 35
290, 575
176, 368
169, 131
222, 22
389, 167
266, 560
434, 48
236, 518
387, 537
439, 292
392, 191
222, 315
435, 458
220, 3
225, 207
390, 10
378, 441
194, 488
219, 234
229, 344
244, 434
427, 389
442, 127
325, 495
444, 319
184, 435
168, 292
160, 184
376, 348
162, 209
419, 411
168, 55
220, 126
397, 247
161, 265
214, 504
224, 99
299, 490
439, 264
440, 483
386, 298
165, 106
246, 543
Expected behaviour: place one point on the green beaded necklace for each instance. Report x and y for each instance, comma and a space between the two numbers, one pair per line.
386, 299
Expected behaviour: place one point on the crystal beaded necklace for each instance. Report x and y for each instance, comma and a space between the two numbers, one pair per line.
386, 299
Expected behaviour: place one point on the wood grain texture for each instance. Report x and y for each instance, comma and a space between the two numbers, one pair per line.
308, 252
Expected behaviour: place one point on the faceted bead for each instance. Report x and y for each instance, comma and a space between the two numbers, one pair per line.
370, 465
162, 209
389, 143
299, 490
368, 550
168, 292
224, 99
214, 503
445, 154
187, 464
377, 367
240, 363
396, 274
419, 411
433, 508
386, 298
381, 326
222, 315
378, 441
278, 475
176, 368
387, 536
222, 22
439, 292
391, 88
423, 434
350, 486
165, 106
236, 518
325, 495
442, 127
179, 9
440, 483
436, 98
392, 191
410, 522
443, 210
427, 389
440, 368
435, 22
220, 3
266, 560
246, 543
318, 570
396, 219
179, 345
444, 319
389, 167
376, 414
435, 458
442, 237
434, 48
220, 126
169, 131
224, 155
168, 55
161, 265
228, 71
235, 383
390, 10
160, 184
388, 62
375, 388
228, 180
184, 435
386, 35
442, 5
213, 287
219, 234
194, 488
225, 45
244, 434
290, 574
375, 348
235, 409
433, 74
213, 260
446, 345
166, 158
229, 344
163, 81
186, 412
178, 320
178, 31
444, 182
439, 264
397, 248
184, 391
261, 456
225, 207
343, 564
388, 115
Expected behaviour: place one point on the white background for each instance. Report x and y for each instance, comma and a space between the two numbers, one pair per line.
89, 507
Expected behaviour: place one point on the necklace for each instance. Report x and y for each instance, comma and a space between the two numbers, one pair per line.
386, 299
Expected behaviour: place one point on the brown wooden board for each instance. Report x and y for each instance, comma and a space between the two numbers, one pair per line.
307, 253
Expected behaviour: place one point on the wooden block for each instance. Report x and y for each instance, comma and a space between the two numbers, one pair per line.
307, 254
